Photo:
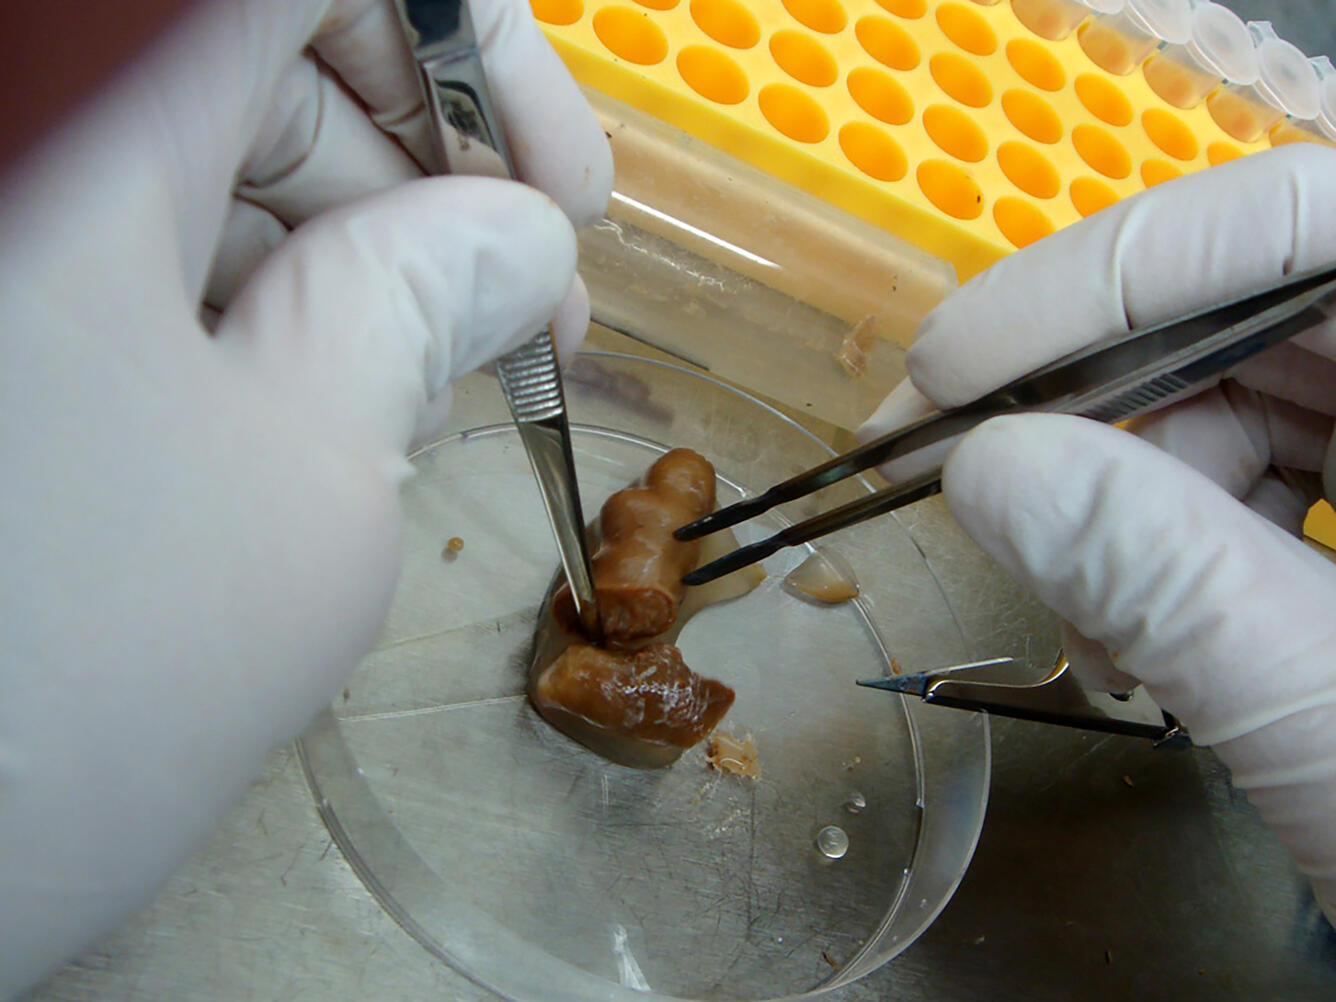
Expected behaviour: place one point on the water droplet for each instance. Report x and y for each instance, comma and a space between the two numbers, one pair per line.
832, 841
855, 803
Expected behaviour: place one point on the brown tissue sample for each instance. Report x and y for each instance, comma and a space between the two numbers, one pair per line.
641, 708
638, 567
630, 700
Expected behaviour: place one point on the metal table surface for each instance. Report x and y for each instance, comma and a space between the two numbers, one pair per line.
1106, 870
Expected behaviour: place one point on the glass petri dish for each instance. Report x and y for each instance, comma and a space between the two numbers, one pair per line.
545, 873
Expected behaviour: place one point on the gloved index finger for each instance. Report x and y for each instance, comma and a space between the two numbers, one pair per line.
1179, 247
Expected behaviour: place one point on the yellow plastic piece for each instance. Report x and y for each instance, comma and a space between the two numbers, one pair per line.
946, 122
1321, 525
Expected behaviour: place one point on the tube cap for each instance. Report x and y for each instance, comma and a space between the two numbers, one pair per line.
1167, 20
1326, 75
1221, 43
1104, 6
1286, 78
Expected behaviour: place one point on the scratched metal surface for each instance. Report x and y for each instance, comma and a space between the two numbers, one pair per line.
1107, 870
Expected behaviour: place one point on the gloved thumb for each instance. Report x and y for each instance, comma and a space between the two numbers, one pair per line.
1224, 617
366, 313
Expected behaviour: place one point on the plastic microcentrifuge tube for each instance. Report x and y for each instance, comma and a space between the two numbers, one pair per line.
1320, 127
1326, 118
1119, 42
1056, 19
1286, 84
1218, 48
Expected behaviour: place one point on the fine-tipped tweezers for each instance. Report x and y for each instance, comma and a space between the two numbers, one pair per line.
1016, 687
1108, 382
445, 48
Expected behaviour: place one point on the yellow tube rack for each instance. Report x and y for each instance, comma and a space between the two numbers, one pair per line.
947, 123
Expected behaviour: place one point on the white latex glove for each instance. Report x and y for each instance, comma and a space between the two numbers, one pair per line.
1165, 557
199, 534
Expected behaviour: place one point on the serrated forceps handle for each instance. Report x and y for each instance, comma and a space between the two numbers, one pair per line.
470, 139
531, 382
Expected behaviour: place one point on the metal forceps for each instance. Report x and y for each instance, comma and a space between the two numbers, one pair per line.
1014, 687
445, 48
1108, 382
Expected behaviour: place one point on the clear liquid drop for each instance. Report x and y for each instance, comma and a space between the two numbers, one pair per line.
832, 841
855, 803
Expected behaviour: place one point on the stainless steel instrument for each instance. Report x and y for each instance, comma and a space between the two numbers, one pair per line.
445, 47
1008, 687
1106, 382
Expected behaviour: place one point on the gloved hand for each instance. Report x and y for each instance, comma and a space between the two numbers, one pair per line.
1174, 553
200, 532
